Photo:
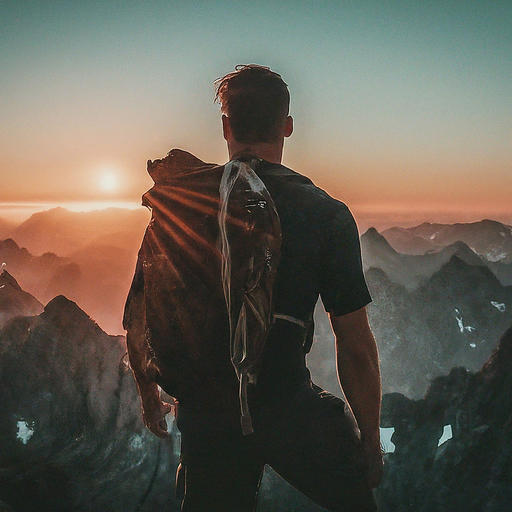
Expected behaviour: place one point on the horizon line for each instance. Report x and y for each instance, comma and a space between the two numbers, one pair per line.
381, 216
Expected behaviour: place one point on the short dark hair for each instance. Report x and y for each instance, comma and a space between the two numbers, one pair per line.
256, 100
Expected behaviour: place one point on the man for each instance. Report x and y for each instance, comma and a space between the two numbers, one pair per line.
307, 435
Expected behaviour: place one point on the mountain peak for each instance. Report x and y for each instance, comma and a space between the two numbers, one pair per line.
14, 301
10, 244
457, 268
464, 252
372, 239
6, 278
63, 312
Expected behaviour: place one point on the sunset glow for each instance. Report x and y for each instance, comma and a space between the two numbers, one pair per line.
108, 182
403, 105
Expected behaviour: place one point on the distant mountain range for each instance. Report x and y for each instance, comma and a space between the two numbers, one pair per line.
488, 238
409, 256
97, 276
33, 273
100, 251
410, 270
64, 232
430, 312
453, 319
14, 301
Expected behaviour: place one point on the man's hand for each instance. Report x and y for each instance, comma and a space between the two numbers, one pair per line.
139, 353
153, 413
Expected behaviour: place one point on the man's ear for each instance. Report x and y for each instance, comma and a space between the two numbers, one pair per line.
226, 128
288, 127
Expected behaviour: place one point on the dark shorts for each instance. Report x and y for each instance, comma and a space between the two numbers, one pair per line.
311, 440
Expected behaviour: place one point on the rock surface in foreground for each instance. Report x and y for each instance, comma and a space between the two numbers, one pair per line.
71, 434
472, 471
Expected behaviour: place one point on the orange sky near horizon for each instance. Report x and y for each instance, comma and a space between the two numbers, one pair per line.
396, 107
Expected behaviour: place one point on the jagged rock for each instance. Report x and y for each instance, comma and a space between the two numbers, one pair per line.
14, 301
71, 434
408, 270
472, 471
488, 238
33, 273
402, 240
452, 320
503, 271
97, 277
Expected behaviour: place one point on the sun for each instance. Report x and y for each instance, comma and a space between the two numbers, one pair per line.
108, 182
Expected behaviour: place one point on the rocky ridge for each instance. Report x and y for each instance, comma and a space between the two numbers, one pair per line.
71, 434
471, 471
14, 301
488, 238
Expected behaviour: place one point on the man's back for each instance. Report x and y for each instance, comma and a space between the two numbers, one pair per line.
320, 255
309, 436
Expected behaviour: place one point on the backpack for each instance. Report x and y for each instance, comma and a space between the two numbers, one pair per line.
202, 290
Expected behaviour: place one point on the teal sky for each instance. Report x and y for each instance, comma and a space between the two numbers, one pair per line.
396, 103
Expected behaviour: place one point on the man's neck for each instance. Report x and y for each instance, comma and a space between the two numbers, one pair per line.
269, 151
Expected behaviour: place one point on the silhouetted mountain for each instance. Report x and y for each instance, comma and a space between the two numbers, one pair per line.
503, 271
14, 301
97, 276
402, 240
488, 238
452, 320
71, 434
405, 269
469, 472
64, 232
32, 272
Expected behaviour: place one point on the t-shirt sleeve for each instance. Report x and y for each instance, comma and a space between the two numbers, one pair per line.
343, 288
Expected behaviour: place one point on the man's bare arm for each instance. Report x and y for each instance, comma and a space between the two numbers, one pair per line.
359, 374
153, 408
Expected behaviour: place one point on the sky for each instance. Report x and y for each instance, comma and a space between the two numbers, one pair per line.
398, 105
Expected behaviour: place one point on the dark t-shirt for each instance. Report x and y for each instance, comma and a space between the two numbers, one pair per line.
320, 256
320, 251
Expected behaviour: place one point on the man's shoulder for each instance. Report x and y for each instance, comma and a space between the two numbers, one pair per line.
298, 188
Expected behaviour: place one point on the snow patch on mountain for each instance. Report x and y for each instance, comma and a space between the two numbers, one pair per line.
25, 432
495, 254
500, 306
463, 328
446, 435
386, 433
